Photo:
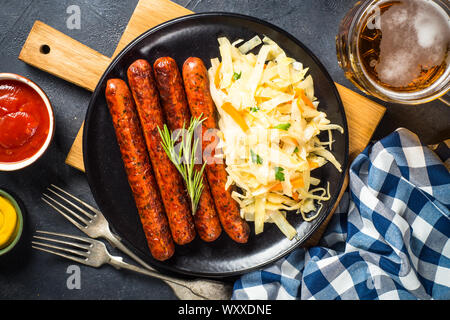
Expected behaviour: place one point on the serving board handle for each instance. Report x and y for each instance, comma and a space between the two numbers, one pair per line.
54, 52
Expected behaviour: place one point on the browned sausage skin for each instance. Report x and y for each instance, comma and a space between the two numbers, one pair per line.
171, 90
138, 169
169, 180
174, 103
200, 102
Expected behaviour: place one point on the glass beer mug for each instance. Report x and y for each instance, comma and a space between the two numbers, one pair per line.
397, 51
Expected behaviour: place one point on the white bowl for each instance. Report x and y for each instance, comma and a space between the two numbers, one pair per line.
11, 166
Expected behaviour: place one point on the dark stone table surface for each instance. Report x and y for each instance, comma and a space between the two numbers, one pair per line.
29, 274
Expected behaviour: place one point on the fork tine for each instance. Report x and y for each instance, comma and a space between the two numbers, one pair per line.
79, 225
64, 235
43, 244
79, 260
72, 204
77, 245
76, 199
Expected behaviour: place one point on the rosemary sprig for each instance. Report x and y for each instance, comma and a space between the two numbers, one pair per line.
184, 160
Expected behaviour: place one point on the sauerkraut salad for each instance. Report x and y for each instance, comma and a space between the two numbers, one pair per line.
269, 126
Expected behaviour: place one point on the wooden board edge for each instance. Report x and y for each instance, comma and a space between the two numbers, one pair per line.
75, 156
66, 57
361, 129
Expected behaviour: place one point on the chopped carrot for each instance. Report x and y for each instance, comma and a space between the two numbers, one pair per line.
217, 76
313, 164
236, 115
296, 183
295, 196
260, 100
301, 93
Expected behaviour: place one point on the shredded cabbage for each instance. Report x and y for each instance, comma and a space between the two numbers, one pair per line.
269, 125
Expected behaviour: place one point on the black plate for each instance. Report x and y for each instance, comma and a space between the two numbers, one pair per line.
196, 35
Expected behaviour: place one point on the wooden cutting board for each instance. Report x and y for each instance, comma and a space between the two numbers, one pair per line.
64, 57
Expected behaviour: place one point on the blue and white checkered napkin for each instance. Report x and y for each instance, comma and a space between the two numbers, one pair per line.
389, 238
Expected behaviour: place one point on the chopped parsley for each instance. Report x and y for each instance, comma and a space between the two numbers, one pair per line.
296, 150
279, 175
256, 158
283, 126
237, 76
254, 109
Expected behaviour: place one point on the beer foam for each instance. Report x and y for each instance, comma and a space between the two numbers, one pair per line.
393, 69
415, 37
430, 31
398, 17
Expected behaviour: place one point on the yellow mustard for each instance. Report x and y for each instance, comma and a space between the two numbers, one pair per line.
8, 222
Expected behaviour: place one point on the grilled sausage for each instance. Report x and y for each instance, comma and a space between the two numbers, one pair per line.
174, 103
200, 102
169, 180
171, 90
138, 168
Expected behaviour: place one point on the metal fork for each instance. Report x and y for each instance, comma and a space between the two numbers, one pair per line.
94, 253
95, 225
92, 224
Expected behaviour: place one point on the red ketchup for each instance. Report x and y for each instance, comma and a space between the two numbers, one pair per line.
24, 121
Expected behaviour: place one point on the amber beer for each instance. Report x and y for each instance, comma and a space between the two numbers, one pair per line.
397, 50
